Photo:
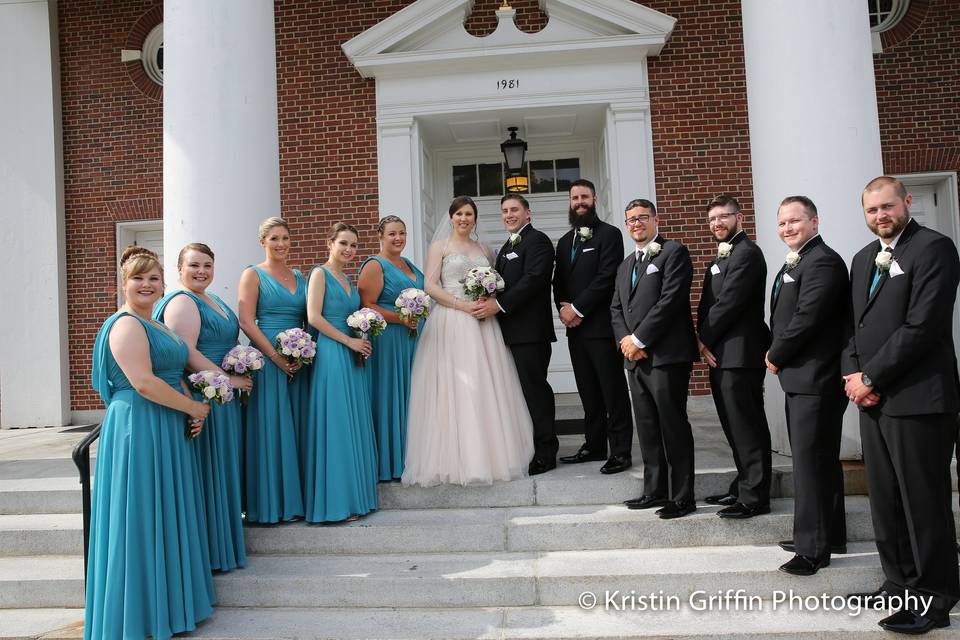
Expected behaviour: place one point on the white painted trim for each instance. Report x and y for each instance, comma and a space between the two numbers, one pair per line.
124, 236
946, 181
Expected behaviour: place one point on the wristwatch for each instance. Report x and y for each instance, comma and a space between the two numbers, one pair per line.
866, 379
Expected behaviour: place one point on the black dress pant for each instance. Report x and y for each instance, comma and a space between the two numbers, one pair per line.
738, 395
666, 440
907, 460
815, 424
598, 370
533, 361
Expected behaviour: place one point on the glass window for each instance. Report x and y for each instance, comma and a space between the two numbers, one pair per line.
542, 177
568, 170
491, 179
465, 180
884, 14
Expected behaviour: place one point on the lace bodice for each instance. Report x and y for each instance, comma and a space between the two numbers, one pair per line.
455, 267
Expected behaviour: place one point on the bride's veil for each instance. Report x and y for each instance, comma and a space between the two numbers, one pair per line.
440, 242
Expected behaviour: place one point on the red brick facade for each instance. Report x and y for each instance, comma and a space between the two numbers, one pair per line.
328, 158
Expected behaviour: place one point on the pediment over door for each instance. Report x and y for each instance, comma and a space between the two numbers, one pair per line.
430, 35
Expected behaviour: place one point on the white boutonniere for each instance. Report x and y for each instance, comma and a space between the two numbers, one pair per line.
724, 249
585, 233
515, 239
653, 249
883, 260
792, 259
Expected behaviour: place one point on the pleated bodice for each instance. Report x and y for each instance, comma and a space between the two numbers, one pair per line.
277, 308
218, 334
168, 355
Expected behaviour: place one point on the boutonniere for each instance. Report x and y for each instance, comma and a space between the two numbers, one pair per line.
792, 260
515, 239
883, 260
585, 233
724, 249
653, 249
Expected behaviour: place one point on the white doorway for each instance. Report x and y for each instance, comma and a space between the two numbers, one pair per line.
144, 233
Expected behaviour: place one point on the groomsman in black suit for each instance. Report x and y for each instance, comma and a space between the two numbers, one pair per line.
586, 266
733, 341
809, 320
900, 369
526, 263
651, 315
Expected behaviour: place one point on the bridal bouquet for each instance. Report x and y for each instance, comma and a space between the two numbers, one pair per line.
242, 361
213, 386
296, 345
482, 281
365, 322
413, 303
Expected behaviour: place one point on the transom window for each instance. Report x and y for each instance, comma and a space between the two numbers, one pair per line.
545, 176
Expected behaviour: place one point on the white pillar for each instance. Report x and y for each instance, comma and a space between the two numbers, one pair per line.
221, 157
399, 183
814, 131
629, 143
34, 385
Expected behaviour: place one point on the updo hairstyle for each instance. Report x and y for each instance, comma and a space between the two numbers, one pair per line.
384, 221
136, 260
270, 223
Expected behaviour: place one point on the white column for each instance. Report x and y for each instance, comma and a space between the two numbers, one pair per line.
629, 143
814, 131
221, 158
34, 385
398, 180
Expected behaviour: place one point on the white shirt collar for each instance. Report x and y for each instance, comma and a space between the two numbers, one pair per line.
816, 235
520, 230
892, 243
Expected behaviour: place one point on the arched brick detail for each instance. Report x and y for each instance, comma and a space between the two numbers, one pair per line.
908, 25
140, 209
134, 40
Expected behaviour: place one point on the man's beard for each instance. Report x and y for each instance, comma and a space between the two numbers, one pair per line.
588, 219
897, 227
732, 231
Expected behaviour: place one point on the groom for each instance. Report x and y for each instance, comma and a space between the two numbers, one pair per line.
526, 263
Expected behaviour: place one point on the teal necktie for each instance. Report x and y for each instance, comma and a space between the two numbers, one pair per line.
633, 278
876, 276
573, 249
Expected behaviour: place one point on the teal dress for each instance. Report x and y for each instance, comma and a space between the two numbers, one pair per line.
149, 572
218, 445
390, 366
340, 468
274, 412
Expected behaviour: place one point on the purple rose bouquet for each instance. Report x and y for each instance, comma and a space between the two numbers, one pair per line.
242, 361
213, 386
366, 322
296, 345
482, 282
413, 303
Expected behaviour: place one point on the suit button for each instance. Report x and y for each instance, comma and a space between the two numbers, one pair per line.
860, 325
629, 308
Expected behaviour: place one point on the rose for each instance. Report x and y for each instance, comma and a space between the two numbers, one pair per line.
724, 249
585, 233
210, 392
515, 239
883, 260
792, 259
653, 249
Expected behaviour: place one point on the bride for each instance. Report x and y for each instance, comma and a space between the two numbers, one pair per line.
468, 422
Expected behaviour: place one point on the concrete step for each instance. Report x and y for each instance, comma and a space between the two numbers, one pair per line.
39, 534
40, 495
41, 581
530, 579
29, 624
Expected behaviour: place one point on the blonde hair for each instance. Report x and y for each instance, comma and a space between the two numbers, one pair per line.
136, 260
270, 223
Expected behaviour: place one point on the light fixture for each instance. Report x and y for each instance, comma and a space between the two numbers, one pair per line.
514, 149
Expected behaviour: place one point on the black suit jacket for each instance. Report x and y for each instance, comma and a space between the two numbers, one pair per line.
588, 281
731, 309
657, 308
527, 316
809, 320
903, 335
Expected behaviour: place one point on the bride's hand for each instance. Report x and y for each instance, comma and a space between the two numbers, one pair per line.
410, 322
361, 346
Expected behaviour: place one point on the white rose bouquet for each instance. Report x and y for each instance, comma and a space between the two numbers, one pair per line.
213, 386
365, 322
482, 282
242, 360
413, 303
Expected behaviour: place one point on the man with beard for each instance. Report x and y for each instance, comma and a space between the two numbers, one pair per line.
586, 265
733, 342
900, 369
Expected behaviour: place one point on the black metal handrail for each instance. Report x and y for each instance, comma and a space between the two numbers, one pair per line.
81, 458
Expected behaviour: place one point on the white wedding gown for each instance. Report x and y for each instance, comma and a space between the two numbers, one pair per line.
468, 422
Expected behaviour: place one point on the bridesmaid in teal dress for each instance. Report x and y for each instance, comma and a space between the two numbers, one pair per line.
272, 298
149, 572
340, 468
382, 278
208, 325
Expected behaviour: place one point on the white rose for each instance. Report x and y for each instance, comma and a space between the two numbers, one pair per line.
232, 361
792, 259
209, 392
724, 249
883, 260
653, 249
514, 239
295, 353
256, 365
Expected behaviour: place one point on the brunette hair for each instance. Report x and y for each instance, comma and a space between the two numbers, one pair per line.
194, 246
342, 226
516, 196
882, 181
384, 221
136, 260
583, 182
808, 207
723, 200
459, 202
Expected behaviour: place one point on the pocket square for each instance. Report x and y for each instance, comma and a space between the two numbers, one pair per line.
512, 255
714, 269
787, 278
652, 268
589, 249
895, 270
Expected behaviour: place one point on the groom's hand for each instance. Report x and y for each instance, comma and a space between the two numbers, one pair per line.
485, 307
568, 316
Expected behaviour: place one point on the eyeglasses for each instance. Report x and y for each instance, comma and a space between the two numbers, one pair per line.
645, 218
721, 217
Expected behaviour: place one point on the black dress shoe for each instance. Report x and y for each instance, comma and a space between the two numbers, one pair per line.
539, 465
722, 499
676, 510
804, 565
871, 599
646, 502
912, 623
742, 511
616, 464
583, 455
835, 549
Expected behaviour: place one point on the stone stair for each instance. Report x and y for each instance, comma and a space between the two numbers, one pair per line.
507, 561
